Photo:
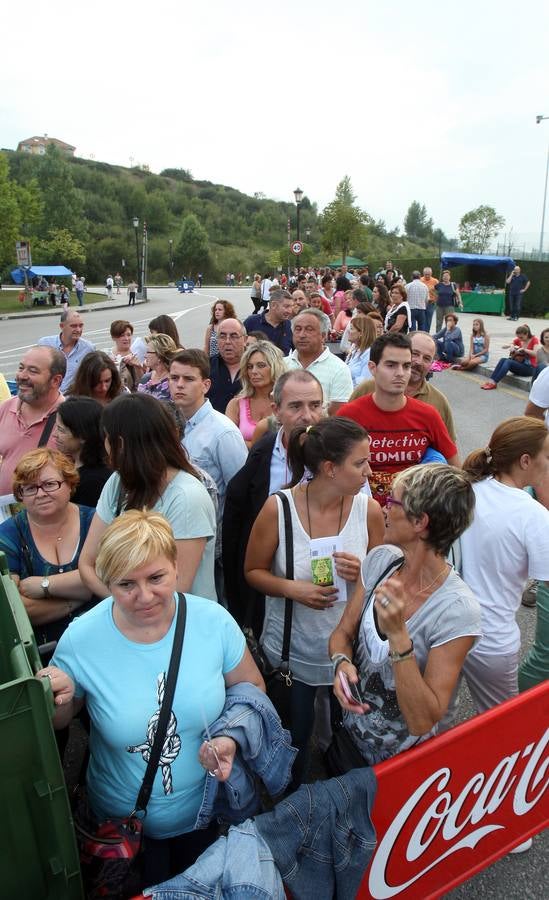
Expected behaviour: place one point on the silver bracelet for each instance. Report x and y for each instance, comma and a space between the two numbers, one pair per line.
338, 658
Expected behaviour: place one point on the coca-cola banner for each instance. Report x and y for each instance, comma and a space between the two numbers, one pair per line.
460, 801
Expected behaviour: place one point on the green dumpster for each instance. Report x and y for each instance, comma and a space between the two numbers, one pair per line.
38, 853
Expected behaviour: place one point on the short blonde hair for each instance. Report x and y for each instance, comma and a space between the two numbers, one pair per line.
31, 464
272, 356
131, 541
163, 345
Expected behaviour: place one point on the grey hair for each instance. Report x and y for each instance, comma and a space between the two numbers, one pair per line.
66, 313
301, 375
276, 294
445, 494
318, 314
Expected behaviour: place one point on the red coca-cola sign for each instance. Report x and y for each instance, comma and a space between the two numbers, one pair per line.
460, 801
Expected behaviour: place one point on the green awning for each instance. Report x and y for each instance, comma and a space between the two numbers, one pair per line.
350, 261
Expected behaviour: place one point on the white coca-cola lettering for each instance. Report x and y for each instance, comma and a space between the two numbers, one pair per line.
443, 813
520, 804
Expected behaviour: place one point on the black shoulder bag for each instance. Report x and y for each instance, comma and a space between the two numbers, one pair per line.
110, 851
343, 754
278, 679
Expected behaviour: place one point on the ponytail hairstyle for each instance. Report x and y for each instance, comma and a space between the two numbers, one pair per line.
330, 440
512, 439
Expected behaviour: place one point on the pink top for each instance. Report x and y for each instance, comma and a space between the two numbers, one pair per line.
17, 438
245, 422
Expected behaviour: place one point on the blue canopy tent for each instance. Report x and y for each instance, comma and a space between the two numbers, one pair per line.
447, 260
480, 301
18, 275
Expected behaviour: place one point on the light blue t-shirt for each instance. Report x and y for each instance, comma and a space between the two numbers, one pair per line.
188, 508
121, 681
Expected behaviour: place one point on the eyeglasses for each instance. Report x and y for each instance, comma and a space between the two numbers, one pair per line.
230, 337
31, 490
390, 501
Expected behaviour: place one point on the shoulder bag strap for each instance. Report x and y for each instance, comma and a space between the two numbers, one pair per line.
48, 428
394, 565
289, 605
27, 555
166, 708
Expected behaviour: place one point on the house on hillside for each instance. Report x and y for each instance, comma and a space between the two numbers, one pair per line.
38, 144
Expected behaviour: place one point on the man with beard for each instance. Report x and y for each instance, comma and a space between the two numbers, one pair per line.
27, 420
423, 354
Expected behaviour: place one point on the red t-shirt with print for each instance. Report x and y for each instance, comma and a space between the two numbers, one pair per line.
398, 439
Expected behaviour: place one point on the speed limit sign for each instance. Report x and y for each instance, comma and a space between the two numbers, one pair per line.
297, 248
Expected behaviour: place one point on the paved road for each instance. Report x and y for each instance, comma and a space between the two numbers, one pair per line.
476, 413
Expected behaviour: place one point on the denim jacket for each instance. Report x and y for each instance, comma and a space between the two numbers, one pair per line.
237, 866
322, 837
319, 841
264, 752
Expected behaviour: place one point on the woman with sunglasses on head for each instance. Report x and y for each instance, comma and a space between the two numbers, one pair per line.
412, 620
44, 540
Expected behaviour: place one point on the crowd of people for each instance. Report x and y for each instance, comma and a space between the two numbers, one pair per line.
293, 486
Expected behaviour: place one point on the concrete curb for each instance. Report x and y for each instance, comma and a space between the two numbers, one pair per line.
523, 384
43, 313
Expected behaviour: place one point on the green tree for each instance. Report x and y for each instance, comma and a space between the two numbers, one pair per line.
417, 224
478, 227
192, 249
342, 222
60, 248
62, 204
10, 215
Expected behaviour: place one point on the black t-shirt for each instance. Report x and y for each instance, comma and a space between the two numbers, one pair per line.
222, 389
92, 481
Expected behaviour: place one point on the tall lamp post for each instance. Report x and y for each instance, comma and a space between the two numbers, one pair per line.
538, 120
144, 252
138, 268
170, 243
298, 194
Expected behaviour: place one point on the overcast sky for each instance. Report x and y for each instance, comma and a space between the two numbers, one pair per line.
414, 101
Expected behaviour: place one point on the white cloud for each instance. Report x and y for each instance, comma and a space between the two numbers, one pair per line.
413, 101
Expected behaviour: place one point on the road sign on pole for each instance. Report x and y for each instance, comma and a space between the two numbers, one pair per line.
23, 252
297, 248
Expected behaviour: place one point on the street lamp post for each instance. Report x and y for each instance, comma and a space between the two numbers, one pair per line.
138, 269
170, 242
144, 251
538, 120
298, 194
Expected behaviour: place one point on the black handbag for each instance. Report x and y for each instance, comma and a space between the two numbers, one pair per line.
278, 679
343, 754
110, 851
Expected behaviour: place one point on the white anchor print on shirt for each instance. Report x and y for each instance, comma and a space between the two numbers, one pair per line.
172, 741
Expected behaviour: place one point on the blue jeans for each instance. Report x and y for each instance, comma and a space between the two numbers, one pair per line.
505, 366
449, 350
429, 312
515, 304
418, 319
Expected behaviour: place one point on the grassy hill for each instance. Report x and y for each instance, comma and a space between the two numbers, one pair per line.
96, 202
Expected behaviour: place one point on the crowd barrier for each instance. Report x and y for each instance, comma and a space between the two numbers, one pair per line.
460, 801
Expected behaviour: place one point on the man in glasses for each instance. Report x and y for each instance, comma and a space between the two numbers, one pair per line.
402, 429
27, 420
225, 368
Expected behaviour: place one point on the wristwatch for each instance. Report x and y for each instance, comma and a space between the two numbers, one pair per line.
45, 585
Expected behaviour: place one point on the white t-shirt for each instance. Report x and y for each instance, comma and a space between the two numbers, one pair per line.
539, 395
333, 374
507, 543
